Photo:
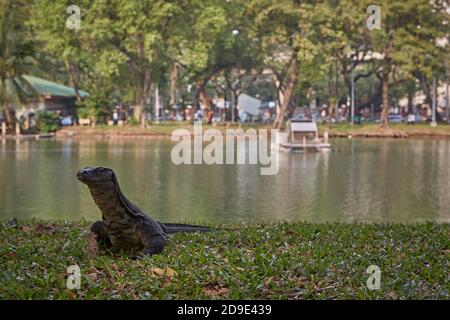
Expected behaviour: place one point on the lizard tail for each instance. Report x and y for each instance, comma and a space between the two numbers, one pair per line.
180, 227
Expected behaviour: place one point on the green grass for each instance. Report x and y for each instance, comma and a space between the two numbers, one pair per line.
165, 129
395, 129
278, 261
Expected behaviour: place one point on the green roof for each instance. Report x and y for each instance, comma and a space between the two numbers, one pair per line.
45, 87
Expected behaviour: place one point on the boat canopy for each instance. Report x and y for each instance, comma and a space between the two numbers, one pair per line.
303, 127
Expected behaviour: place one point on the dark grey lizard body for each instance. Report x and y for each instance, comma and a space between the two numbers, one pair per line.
123, 224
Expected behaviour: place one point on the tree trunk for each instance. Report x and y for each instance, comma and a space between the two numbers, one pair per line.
173, 84
10, 118
137, 112
336, 90
73, 79
427, 91
202, 94
146, 88
410, 103
157, 104
385, 94
346, 75
233, 105
287, 90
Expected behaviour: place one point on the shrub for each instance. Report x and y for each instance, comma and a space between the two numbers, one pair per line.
47, 122
133, 121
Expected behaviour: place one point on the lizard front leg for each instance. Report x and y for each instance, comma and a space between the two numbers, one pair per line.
99, 229
154, 245
152, 237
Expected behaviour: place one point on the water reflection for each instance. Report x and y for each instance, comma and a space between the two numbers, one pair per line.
363, 180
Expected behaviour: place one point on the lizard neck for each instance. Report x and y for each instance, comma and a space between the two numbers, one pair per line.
107, 198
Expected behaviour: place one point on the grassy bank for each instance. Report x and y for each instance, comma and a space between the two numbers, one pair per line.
282, 261
397, 130
164, 130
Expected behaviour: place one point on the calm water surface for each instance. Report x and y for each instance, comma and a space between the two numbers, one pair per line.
362, 180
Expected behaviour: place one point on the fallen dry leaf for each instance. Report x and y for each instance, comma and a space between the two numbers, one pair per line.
41, 229
92, 246
157, 271
93, 269
27, 229
215, 290
268, 282
11, 254
392, 295
170, 272
163, 272
167, 281
93, 276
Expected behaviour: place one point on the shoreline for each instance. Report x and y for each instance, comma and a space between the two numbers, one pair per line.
164, 131
336, 131
261, 261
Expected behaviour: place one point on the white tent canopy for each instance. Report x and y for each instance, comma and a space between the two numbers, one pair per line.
248, 104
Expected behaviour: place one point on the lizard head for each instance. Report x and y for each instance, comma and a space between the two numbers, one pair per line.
96, 175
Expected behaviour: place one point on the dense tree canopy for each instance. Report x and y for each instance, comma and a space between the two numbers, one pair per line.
125, 49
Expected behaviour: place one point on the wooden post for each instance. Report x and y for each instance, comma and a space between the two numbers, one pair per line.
325, 137
17, 128
3, 129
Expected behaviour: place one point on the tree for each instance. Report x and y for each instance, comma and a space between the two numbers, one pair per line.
16, 54
407, 39
427, 59
288, 31
48, 20
346, 41
205, 44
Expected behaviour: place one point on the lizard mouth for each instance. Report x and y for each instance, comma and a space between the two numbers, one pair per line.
82, 177
91, 175
85, 175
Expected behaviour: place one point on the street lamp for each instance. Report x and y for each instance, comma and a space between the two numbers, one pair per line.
235, 32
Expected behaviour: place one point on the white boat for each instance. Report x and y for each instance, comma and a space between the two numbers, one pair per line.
303, 136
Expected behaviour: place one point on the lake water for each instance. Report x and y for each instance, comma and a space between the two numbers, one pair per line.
360, 180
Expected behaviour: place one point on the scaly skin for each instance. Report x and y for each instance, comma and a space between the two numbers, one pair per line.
123, 225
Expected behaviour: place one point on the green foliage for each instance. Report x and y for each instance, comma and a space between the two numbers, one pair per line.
16, 49
47, 122
95, 107
125, 48
133, 122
